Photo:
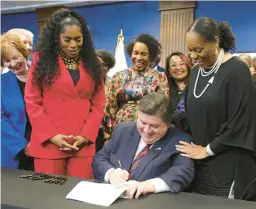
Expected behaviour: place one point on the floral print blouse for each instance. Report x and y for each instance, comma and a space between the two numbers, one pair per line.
125, 90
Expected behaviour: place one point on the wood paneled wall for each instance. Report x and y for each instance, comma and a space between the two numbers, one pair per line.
43, 14
176, 16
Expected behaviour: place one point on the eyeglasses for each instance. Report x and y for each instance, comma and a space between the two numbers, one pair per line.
174, 66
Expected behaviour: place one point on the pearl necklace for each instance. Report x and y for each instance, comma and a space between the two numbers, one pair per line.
204, 73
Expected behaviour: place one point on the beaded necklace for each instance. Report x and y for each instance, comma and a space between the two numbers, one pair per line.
70, 62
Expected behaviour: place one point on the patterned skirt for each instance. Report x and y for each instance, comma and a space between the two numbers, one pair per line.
204, 183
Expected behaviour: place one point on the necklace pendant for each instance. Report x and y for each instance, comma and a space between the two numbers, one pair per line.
211, 80
214, 70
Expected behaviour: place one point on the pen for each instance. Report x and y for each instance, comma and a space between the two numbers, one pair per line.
119, 164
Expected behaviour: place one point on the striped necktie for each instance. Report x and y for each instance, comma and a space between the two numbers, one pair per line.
135, 163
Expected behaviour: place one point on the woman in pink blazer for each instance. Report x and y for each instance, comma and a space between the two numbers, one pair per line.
64, 97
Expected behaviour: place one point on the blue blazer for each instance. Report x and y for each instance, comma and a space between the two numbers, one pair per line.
13, 120
162, 161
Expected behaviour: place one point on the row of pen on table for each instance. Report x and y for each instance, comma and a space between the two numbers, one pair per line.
47, 177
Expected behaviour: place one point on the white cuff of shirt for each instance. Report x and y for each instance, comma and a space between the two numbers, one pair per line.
209, 151
107, 174
160, 185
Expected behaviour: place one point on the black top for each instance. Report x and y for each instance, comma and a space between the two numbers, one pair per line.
28, 125
160, 69
74, 75
224, 116
224, 112
175, 94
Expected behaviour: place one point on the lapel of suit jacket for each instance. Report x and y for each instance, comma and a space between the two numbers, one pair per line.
65, 75
131, 147
152, 153
13, 94
85, 83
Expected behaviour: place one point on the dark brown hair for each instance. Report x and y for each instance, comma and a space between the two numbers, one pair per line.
156, 104
184, 59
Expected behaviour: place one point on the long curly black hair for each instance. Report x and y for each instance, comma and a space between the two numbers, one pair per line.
47, 69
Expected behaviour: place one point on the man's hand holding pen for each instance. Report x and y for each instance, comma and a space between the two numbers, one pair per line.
118, 176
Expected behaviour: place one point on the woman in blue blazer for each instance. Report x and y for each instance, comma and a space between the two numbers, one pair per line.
16, 127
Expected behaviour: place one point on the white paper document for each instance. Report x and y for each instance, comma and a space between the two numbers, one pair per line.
95, 193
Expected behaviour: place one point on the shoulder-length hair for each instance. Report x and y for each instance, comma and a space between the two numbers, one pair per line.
184, 58
171, 82
9, 41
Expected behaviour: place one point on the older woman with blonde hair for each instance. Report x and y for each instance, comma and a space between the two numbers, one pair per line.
254, 72
26, 37
254, 62
249, 62
16, 127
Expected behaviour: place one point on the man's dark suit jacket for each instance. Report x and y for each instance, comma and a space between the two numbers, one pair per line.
162, 160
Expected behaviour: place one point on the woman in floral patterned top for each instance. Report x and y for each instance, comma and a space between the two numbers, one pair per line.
127, 87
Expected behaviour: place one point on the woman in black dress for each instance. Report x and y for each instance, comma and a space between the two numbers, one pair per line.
221, 114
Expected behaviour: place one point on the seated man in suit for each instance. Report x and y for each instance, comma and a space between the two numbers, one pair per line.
142, 155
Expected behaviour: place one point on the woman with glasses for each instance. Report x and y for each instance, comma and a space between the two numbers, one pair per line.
177, 72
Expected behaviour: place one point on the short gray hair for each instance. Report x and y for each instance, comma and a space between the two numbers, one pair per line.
156, 104
247, 58
21, 31
254, 62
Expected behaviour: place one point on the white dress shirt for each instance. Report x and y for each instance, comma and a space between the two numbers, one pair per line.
209, 151
4, 70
